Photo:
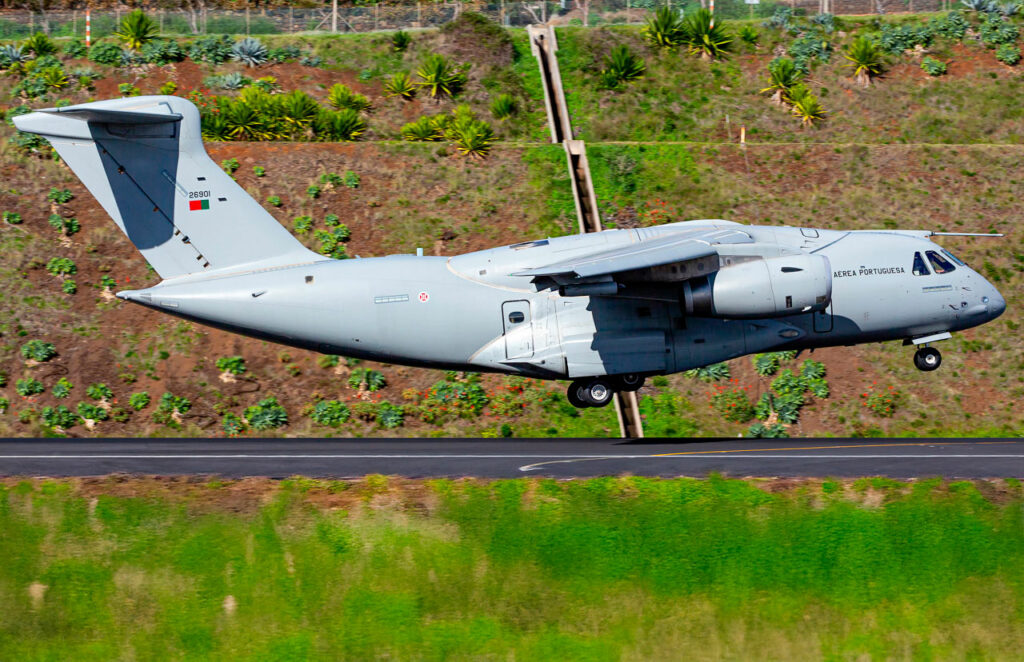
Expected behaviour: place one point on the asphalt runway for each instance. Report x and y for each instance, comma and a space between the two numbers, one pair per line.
278, 458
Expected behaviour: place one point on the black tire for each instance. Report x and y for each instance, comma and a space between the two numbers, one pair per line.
575, 395
599, 392
927, 359
629, 382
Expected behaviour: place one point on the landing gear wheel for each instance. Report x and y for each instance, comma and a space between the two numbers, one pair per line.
598, 392
927, 359
630, 382
575, 395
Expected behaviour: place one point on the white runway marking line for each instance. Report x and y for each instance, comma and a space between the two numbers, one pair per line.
531, 467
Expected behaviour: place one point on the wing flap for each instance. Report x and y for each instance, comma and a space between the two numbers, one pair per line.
644, 254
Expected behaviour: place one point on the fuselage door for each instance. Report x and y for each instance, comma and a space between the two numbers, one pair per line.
515, 317
823, 320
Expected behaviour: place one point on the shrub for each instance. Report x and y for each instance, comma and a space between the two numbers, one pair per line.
425, 129
340, 96
267, 84
665, 28
11, 54
12, 218
472, 137
785, 408
390, 415
400, 85
267, 414
258, 171
952, 26
234, 365
766, 364
91, 412
811, 369
1008, 54
350, 180
67, 226
229, 81
328, 360
274, 200
703, 38
313, 191
881, 403
60, 196
996, 31
233, 425
311, 61
107, 282
895, 40
621, 66
212, 49
732, 404
933, 67
28, 387
865, 58
749, 35
5, 404
75, 49
451, 399
59, 417
69, 286
331, 413
807, 48
62, 388
371, 380
284, 53
710, 373
169, 407
136, 30
38, 350
99, 391
139, 400
806, 106
107, 53
40, 45
302, 224
771, 431
400, 41
163, 52
61, 266
127, 90
503, 107
250, 52
345, 125
440, 77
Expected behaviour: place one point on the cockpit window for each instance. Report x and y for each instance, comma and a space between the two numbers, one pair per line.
940, 264
919, 268
954, 258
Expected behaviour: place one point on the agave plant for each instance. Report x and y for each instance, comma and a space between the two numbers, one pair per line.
54, 78
39, 44
400, 85
749, 35
665, 28
503, 106
473, 137
805, 105
298, 110
866, 58
784, 75
345, 125
400, 41
136, 30
621, 66
241, 120
979, 5
704, 37
425, 129
11, 54
229, 81
250, 52
1009, 9
340, 96
440, 77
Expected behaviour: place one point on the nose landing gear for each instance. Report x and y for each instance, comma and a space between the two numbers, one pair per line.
599, 391
927, 359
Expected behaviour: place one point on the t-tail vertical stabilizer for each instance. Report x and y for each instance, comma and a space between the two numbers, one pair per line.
144, 161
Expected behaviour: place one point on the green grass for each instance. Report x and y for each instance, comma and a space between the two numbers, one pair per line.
602, 569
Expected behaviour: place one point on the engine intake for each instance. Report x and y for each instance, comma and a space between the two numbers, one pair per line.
762, 287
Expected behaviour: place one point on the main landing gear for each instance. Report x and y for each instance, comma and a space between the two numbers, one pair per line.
599, 391
927, 359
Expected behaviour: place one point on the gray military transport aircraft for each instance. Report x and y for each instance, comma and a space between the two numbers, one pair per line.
605, 310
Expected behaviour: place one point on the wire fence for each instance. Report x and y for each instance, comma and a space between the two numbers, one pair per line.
381, 16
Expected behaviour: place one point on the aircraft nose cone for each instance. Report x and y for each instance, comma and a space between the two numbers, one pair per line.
996, 303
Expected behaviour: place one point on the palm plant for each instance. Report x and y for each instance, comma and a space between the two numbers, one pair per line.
340, 96
503, 106
40, 45
400, 85
241, 120
251, 52
805, 105
621, 66
665, 28
422, 130
298, 111
400, 41
54, 78
704, 37
440, 77
866, 58
344, 125
473, 137
784, 75
136, 30
749, 35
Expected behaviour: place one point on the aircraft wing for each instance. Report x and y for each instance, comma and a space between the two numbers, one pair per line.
644, 254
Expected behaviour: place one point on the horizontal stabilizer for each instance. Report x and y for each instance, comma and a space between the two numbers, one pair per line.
666, 249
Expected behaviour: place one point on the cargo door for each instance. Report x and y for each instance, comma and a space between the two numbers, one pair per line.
515, 317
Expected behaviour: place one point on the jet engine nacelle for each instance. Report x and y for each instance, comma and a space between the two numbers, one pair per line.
760, 287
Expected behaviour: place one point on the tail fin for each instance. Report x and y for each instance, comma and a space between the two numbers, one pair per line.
143, 159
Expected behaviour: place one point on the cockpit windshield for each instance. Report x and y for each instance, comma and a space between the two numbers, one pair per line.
954, 258
919, 267
940, 264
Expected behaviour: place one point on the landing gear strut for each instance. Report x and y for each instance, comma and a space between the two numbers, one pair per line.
594, 392
927, 359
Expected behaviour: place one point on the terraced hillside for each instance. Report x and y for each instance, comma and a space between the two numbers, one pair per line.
910, 151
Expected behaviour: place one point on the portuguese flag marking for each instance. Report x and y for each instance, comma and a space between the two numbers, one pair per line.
196, 205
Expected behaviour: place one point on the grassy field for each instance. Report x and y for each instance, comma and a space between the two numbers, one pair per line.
604, 569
